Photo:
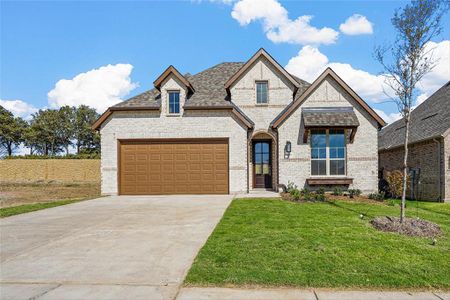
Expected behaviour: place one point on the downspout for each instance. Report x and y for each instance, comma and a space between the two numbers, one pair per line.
438, 142
278, 162
248, 161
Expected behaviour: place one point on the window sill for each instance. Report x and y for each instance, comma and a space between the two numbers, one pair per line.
261, 104
329, 181
173, 115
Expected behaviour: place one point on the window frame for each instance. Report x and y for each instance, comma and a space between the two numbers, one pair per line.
168, 102
327, 158
257, 82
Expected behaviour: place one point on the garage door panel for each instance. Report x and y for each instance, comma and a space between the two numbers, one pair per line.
173, 167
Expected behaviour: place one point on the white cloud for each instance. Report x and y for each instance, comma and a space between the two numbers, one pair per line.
355, 25
277, 25
441, 72
389, 118
98, 88
310, 63
19, 108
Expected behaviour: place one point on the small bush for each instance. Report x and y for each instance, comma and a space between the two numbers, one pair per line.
291, 187
354, 192
391, 203
295, 195
377, 196
395, 183
319, 197
337, 191
306, 194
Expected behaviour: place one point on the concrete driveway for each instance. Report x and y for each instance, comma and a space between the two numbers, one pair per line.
108, 248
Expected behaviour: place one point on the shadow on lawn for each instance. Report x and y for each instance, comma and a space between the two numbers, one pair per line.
365, 213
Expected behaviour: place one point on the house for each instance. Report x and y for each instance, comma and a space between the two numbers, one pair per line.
236, 127
429, 148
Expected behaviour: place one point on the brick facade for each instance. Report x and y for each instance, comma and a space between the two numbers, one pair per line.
431, 157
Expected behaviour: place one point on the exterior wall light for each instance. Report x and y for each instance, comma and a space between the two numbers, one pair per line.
287, 149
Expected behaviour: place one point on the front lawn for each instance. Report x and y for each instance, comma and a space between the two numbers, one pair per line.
21, 209
279, 243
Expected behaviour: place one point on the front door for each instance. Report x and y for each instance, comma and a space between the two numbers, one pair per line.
262, 168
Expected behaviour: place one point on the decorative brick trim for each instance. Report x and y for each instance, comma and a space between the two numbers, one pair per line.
374, 158
295, 159
237, 168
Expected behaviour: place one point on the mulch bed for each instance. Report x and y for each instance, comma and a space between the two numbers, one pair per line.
410, 226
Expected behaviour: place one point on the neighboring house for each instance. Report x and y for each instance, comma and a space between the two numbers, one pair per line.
236, 127
429, 148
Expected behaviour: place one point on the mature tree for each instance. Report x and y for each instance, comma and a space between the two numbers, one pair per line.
87, 140
408, 59
11, 129
66, 131
46, 124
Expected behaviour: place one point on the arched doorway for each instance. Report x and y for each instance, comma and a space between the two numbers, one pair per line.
263, 161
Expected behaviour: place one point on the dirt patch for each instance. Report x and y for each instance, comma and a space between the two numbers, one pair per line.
410, 226
12, 194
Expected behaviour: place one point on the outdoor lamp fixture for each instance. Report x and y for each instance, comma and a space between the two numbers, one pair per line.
287, 149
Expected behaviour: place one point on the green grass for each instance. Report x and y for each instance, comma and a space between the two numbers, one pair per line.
278, 243
21, 209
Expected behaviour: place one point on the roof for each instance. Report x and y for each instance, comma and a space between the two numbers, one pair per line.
258, 54
430, 119
172, 70
326, 117
300, 98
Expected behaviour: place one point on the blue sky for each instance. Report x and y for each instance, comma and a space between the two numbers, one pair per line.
45, 42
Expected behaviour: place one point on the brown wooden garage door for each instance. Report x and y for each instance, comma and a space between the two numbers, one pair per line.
173, 167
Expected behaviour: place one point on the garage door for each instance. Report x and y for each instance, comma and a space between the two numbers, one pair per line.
173, 167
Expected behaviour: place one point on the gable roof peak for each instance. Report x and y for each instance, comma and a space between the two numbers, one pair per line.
258, 54
172, 70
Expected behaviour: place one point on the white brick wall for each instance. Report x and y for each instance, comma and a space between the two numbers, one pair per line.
280, 93
362, 157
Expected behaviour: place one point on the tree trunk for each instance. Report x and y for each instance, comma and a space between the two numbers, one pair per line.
9, 146
67, 150
78, 147
405, 169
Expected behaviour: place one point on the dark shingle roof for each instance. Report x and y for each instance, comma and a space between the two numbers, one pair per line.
429, 119
208, 85
336, 116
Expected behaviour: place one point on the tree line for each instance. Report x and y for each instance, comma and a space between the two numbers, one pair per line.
50, 132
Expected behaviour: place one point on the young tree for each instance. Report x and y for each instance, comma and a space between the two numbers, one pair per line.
408, 59
46, 125
11, 129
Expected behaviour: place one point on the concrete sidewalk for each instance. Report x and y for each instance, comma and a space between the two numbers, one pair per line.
299, 294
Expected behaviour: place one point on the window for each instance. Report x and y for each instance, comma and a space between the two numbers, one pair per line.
328, 152
261, 92
174, 102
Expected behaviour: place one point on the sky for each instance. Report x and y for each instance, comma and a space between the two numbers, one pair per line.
98, 53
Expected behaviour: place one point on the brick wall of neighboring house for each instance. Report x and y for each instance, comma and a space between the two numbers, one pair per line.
429, 157
362, 156
65, 170
193, 124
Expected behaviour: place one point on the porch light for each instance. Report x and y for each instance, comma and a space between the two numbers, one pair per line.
288, 147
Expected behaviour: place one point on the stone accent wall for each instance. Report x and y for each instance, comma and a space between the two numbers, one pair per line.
445, 166
280, 93
193, 124
362, 156
429, 157
67, 170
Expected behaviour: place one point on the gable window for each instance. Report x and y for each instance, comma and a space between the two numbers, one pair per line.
261, 92
328, 151
174, 102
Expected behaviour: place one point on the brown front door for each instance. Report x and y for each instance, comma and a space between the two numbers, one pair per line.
262, 164
155, 167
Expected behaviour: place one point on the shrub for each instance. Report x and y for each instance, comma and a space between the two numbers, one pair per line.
291, 187
354, 192
319, 197
377, 196
295, 194
391, 203
306, 194
395, 183
337, 191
